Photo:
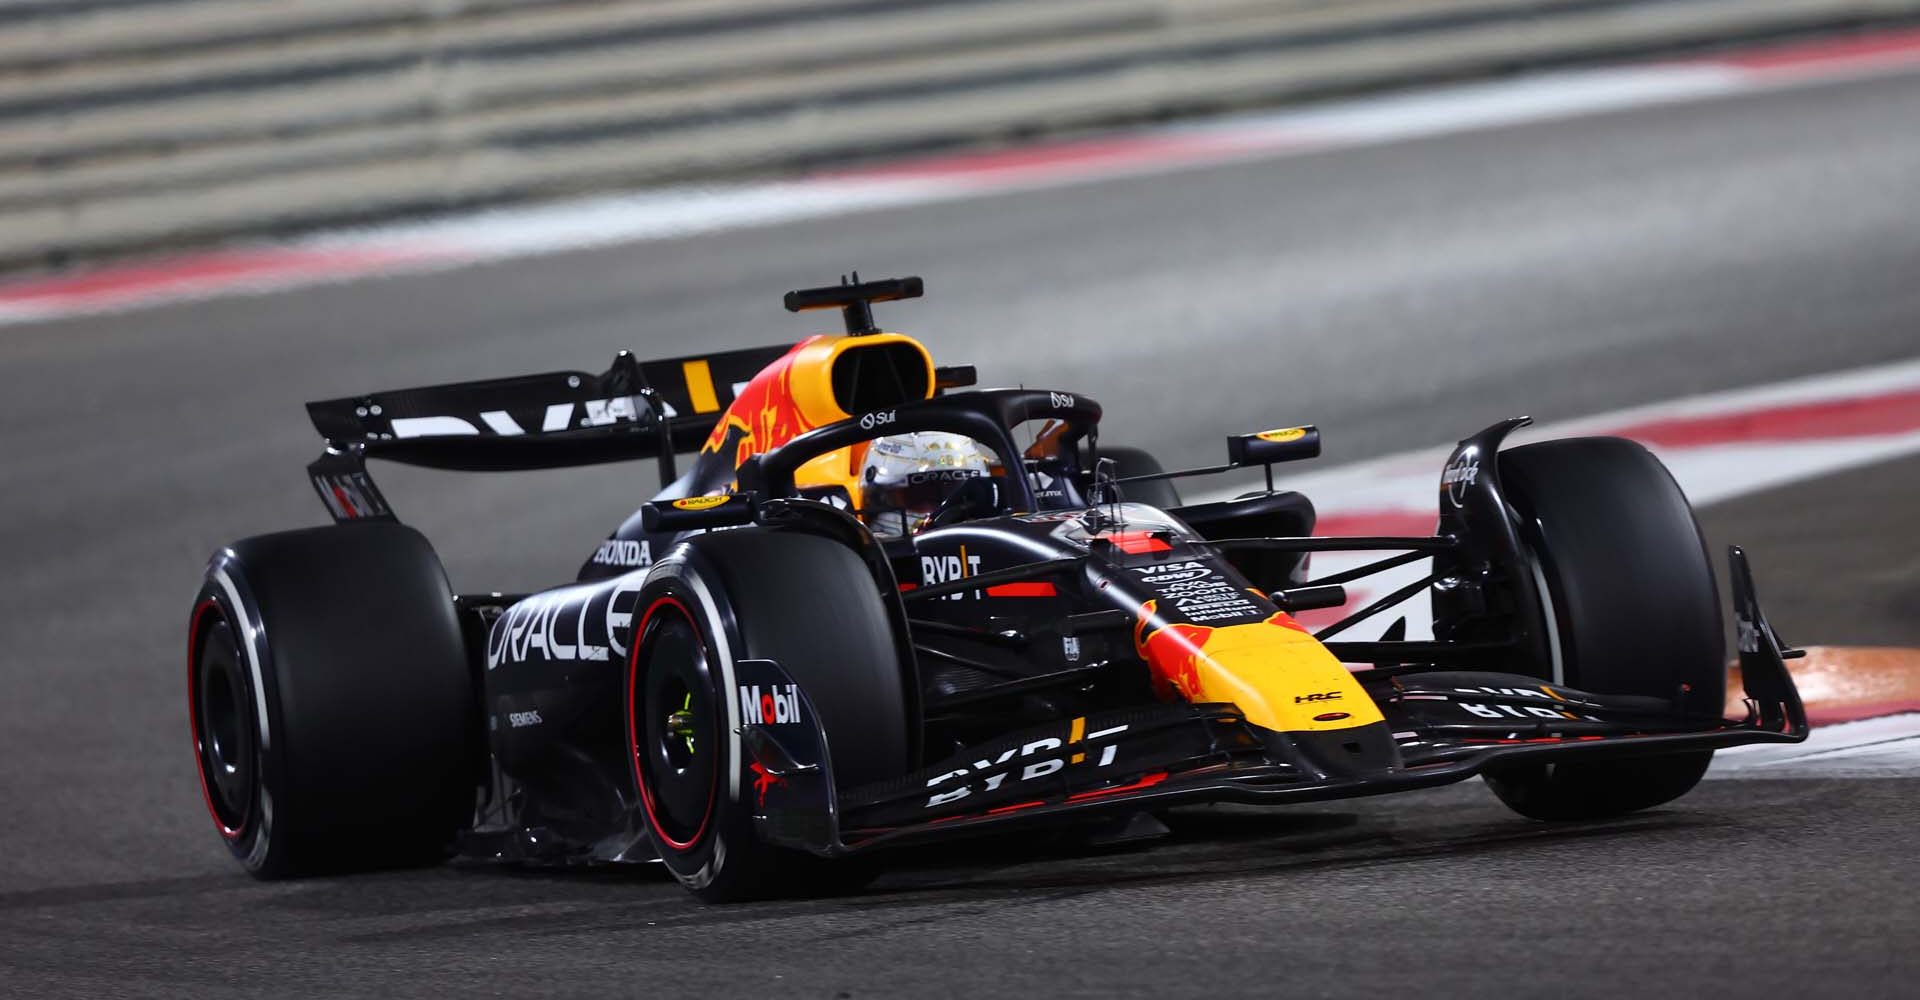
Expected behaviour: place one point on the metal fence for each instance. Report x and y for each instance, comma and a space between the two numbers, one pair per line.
130, 123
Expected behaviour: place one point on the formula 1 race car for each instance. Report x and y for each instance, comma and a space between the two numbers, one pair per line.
880, 607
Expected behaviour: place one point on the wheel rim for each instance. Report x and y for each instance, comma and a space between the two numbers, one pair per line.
223, 729
675, 738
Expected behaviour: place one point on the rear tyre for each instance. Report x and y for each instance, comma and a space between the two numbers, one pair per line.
810, 605
330, 701
1635, 611
1136, 462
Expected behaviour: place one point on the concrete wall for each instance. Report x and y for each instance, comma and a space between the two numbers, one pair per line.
133, 123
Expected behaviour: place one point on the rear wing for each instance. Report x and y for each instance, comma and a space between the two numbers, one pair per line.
633, 410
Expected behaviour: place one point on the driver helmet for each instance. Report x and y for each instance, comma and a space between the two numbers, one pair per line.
906, 477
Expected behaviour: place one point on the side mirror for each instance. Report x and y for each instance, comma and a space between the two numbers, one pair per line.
1288, 444
725, 510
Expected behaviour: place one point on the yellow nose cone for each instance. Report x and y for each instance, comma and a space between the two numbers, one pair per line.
1279, 676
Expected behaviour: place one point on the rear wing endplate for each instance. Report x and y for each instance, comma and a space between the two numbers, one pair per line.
633, 410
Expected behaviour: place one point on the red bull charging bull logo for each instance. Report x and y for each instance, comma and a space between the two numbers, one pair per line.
1273, 670
764, 415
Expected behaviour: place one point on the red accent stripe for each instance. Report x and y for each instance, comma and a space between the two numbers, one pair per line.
193, 719
1854, 713
1872, 49
1072, 157
1559, 739
1029, 589
633, 737
1135, 543
1147, 781
212, 270
1381, 522
1889, 413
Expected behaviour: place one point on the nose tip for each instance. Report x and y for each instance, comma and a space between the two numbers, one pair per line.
1336, 754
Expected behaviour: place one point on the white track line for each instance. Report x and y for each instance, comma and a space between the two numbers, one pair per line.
667, 213
1740, 453
1887, 747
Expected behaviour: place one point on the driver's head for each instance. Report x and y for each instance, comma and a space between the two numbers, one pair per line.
908, 476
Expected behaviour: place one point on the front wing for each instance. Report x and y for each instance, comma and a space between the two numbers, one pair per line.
1447, 727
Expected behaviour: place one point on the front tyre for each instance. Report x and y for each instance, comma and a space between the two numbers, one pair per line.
1586, 790
1635, 611
810, 605
1159, 493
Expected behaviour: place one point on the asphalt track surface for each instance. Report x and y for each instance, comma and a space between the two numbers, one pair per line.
1398, 295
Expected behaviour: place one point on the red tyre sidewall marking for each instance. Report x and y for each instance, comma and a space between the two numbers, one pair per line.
633, 730
193, 718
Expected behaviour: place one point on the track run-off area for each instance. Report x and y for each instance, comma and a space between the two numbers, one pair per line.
1723, 269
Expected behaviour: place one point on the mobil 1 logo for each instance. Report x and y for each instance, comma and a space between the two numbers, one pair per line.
771, 704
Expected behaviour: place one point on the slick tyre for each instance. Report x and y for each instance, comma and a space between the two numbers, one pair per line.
1634, 608
330, 702
1136, 462
810, 605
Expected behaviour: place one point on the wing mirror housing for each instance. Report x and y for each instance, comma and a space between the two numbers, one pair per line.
1285, 444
